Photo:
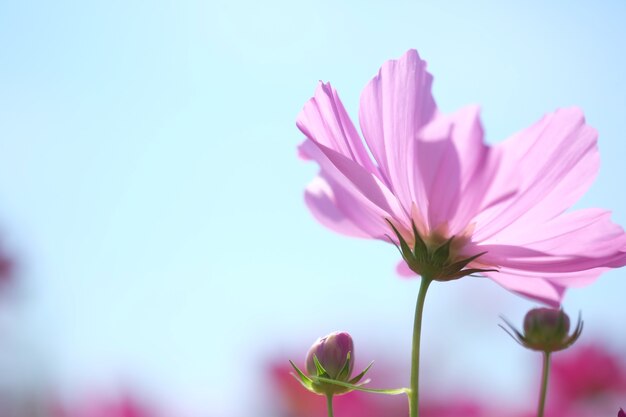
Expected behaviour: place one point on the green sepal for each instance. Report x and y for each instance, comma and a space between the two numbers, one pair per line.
319, 368
396, 391
457, 266
575, 334
420, 250
512, 331
442, 253
404, 248
466, 272
345, 370
302, 378
360, 376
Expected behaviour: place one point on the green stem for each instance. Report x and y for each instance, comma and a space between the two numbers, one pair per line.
329, 404
415, 354
544, 383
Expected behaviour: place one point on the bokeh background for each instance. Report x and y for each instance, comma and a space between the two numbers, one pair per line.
151, 197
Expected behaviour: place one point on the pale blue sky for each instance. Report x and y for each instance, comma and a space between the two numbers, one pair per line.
150, 188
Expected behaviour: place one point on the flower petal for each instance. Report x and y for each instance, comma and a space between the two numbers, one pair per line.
552, 164
395, 105
324, 120
320, 198
454, 168
359, 196
535, 288
576, 241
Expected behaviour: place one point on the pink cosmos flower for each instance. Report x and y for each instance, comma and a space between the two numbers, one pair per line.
433, 178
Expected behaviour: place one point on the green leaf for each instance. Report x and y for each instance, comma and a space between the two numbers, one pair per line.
396, 391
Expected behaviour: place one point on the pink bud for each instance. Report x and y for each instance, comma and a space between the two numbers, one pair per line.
332, 353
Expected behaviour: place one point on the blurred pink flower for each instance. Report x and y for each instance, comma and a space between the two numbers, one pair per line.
433, 169
587, 379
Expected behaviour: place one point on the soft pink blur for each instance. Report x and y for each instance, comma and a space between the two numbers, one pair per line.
587, 380
434, 170
98, 406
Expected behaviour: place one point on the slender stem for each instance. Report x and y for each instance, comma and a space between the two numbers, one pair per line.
415, 354
329, 404
544, 383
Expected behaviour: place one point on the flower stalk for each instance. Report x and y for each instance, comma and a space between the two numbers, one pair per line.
329, 405
544, 384
415, 353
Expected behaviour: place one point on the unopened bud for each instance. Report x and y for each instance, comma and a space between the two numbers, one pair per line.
329, 365
333, 352
546, 327
546, 330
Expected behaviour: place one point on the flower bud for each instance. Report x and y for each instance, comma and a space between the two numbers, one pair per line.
333, 352
546, 330
329, 364
546, 327
621, 413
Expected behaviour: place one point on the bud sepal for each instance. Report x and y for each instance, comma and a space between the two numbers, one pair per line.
323, 384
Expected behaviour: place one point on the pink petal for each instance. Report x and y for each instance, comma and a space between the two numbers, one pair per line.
320, 198
576, 241
324, 120
552, 164
454, 169
359, 196
403, 270
395, 105
535, 288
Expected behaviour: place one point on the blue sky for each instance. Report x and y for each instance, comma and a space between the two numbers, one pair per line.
150, 188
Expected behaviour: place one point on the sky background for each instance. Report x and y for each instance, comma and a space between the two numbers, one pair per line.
151, 193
